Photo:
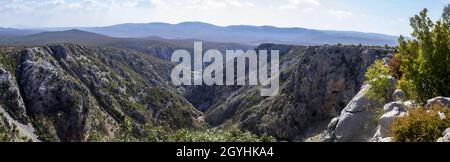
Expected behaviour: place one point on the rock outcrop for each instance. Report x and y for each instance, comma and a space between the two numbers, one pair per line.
357, 121
391, 111
446, 136
10, 96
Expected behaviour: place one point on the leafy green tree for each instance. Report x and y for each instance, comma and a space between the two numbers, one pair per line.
426, 57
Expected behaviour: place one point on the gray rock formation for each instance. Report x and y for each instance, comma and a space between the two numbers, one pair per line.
10, 96
446, 136
357, 121
392, 111
438, 101
71, 92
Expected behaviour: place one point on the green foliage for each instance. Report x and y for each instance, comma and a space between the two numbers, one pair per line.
126, 131
8, 61
152, 133
377, 78
425, 61
421, 125
233, 135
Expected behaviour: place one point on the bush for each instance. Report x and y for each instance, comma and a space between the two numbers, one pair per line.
421, 125
425, 64
376, 77
394, 66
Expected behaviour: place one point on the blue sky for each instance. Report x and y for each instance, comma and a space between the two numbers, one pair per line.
378, 16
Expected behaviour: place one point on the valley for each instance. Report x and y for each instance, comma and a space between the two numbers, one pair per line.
71, 92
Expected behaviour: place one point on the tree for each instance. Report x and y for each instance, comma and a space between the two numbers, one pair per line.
426, 57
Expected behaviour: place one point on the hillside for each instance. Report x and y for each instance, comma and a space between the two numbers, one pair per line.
317, 82
72, 93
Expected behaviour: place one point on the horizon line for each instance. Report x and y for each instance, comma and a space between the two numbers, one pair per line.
200, 22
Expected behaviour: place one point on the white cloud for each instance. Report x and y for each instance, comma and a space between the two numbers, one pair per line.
295, 4
340, 14
202, 4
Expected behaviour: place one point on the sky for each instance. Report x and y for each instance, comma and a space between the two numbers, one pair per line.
376, 16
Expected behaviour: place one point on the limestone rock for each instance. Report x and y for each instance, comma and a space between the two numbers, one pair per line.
438, 101
446, 136
392, 111
10, 96
399, 95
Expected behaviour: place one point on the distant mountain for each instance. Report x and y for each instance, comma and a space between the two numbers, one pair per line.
244, 34
159, 47
70, 36
11, 31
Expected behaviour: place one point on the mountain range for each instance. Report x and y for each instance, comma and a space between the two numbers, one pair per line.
242, 34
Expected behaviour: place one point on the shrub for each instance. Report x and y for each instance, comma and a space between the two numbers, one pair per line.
421, 125
425, 63
394, 66
376, 77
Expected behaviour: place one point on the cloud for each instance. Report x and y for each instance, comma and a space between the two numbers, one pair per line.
21, 6
202, 4
340, 14
295, 4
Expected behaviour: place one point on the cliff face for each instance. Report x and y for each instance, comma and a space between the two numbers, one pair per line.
68, 92
317, 82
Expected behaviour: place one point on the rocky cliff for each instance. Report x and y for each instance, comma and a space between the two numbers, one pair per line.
317, 82
68, 92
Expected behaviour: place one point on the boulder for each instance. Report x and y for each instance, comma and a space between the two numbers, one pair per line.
357, 121
438, 101
392, 111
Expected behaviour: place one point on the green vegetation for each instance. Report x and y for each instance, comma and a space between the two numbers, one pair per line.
421, 125
425, 59
422, 65
152, 133
8, 61
377, 78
